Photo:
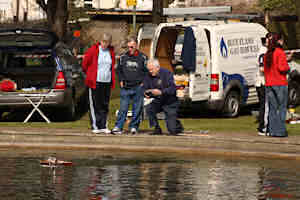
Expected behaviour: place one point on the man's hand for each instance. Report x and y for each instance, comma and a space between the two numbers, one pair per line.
156, 92
121, 84
152, 92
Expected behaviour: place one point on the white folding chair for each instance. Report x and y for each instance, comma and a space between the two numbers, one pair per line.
36, 105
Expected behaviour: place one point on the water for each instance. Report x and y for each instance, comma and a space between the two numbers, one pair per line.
99, 175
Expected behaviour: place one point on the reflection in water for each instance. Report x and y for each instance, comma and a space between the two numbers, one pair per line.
157, 178
279, 184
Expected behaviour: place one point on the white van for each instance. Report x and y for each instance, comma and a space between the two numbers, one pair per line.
219, 61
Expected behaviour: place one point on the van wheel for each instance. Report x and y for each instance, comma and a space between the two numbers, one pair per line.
232, 104
294, 93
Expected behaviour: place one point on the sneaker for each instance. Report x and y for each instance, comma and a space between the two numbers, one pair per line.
96, 131
133, 131
263, 134
116, 130
105, 130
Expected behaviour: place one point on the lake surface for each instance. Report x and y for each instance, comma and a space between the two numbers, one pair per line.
105, 175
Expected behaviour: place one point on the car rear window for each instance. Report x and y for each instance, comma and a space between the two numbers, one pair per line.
31, 61
9, 39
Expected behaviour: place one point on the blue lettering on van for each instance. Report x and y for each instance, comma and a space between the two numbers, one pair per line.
223, 48
227, 78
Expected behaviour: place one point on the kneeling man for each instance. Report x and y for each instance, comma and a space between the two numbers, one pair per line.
159, 85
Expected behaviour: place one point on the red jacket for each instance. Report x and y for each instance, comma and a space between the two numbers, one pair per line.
90, 65
276, 74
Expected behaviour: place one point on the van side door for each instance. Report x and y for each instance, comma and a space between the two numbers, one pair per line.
145, 36
200, 79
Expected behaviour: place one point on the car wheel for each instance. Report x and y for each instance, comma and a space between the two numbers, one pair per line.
232, 104
294, 93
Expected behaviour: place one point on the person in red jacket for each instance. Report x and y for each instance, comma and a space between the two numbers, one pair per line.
98, 64
276, 68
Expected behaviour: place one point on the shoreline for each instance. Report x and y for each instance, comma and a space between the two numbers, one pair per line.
224, 144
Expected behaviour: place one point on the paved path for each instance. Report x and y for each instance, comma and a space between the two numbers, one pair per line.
231, 144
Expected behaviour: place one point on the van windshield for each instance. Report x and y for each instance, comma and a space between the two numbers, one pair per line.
180, 39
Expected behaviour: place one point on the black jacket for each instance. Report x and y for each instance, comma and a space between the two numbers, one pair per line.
132, 69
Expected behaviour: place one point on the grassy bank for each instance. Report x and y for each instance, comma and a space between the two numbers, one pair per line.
245, 123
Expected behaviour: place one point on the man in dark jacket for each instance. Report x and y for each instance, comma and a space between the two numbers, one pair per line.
159, 85
131, 72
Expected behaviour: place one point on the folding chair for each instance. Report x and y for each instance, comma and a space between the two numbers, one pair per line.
35, 105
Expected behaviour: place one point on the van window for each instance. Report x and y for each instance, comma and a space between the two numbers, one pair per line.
208, 39
180, 39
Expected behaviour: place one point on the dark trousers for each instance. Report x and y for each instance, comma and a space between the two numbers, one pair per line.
174, 126
262, 102
99, 105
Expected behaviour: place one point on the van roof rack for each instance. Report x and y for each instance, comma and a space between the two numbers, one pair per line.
243, 17
209, 13
181, 12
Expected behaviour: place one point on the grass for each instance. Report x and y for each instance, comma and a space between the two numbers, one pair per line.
192, 122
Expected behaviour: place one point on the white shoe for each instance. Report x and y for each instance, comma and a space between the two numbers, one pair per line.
105, 130
133, 131
116, 130
96, 131
263, 134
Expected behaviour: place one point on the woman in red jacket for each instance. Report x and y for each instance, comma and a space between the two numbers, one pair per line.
276, 69
98, 64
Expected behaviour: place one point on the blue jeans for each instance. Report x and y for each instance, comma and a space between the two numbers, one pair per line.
277, 99
134, 96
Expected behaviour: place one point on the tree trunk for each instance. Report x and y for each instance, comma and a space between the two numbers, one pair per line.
298, 23
57, 13
57, 16
267, 19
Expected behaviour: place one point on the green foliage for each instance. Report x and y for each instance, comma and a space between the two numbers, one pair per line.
283, 6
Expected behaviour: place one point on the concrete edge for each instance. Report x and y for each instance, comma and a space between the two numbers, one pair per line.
161, 144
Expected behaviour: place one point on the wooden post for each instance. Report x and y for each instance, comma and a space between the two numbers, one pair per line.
133, 3
134, 19
17, 11
157, 11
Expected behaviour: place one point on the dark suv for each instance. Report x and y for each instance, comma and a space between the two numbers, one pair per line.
38, 64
